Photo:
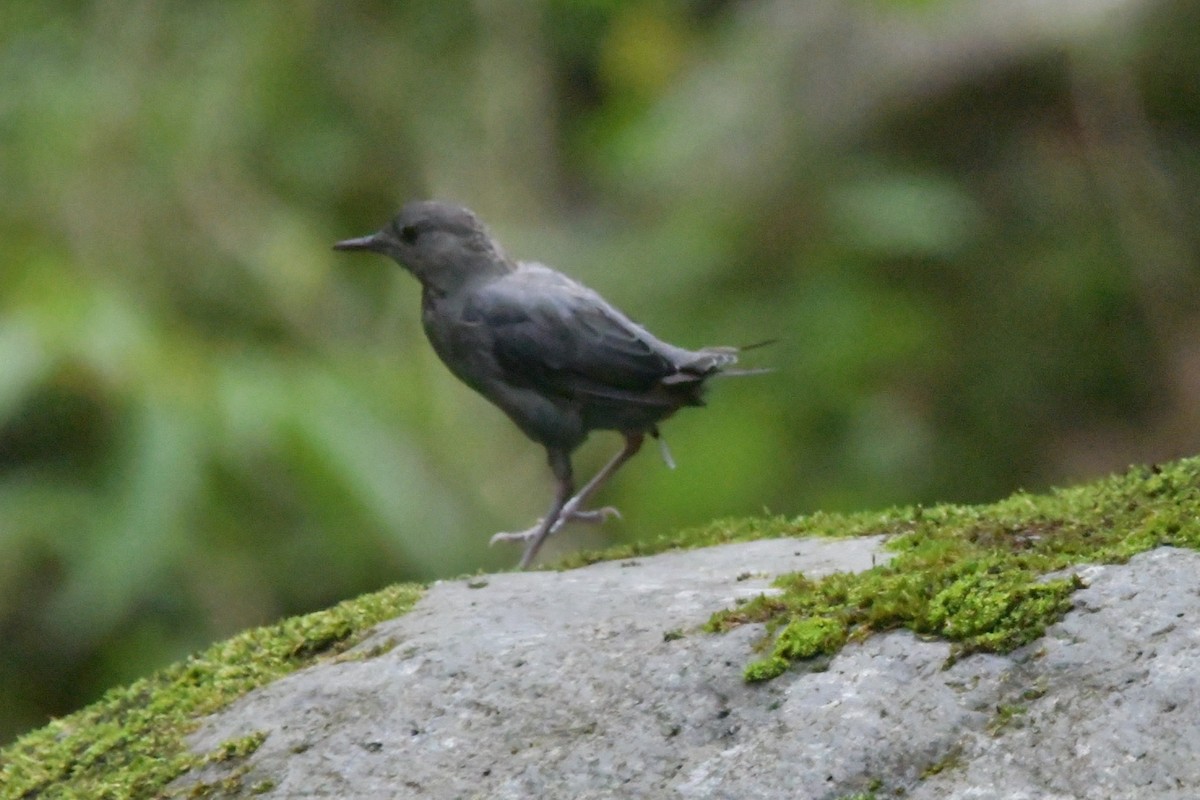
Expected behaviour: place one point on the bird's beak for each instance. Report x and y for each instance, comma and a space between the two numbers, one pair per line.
373, 242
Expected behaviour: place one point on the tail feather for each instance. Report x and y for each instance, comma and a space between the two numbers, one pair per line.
756, 345
710, 361
741, 373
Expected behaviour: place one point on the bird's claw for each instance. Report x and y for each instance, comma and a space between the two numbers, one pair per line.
594, 516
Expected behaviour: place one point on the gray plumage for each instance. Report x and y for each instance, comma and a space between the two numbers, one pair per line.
552, 354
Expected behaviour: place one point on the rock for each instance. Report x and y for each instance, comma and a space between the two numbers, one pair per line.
1107, 704
597, 683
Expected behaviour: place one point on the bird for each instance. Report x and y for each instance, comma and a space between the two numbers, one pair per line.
552, 354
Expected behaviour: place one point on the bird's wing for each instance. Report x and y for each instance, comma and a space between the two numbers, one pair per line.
554, 334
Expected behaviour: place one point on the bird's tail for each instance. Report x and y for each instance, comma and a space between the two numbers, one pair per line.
715, 361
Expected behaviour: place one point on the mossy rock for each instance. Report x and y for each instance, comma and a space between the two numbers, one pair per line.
985, 577
988, 578
130, 743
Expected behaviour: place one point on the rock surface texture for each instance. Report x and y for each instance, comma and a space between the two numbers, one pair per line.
579, 685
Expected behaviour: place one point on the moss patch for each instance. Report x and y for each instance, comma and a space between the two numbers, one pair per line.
979, 576
130, 743
976, 575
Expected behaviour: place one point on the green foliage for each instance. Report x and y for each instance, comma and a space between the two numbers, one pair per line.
979, 269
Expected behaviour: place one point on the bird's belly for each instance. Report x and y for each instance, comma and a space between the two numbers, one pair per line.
545, 418
623, 417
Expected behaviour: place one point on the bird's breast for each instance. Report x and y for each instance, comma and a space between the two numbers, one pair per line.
463, 347
467, 348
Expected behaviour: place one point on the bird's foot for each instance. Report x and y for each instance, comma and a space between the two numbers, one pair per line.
592, 517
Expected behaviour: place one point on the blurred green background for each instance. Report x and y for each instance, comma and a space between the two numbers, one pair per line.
971, 225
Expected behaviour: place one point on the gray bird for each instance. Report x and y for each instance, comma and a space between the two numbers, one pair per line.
551, 353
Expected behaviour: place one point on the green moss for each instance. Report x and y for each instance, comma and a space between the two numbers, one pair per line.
874, 786
976, 575
239, 748
805, 638
1005, 716
231, 751
802, 638
979, 576
947, 762
765, 669
130, 743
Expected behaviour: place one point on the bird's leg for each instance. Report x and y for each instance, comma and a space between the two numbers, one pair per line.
560, 465
593, 516
570, 510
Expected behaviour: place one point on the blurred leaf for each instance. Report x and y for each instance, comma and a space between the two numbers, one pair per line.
25, 363
131, 550
898, 215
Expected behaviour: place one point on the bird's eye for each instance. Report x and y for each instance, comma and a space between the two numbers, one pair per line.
408, 234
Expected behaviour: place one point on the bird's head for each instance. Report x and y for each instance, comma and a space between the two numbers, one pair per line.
443, 245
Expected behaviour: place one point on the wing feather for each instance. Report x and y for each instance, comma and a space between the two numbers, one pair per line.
554, 334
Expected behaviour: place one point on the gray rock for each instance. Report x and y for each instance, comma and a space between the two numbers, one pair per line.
1112, 706
566, 685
